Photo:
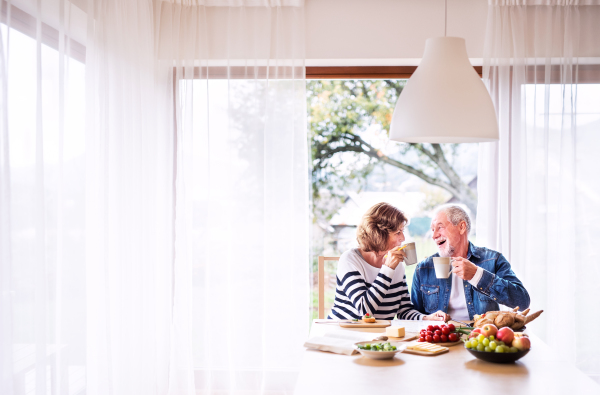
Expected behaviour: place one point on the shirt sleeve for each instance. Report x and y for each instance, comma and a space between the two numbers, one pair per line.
475, 280
365, 299
503, 286
416, 296
407, 310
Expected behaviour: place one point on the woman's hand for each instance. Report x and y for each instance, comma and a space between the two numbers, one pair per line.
394, 257
437, 316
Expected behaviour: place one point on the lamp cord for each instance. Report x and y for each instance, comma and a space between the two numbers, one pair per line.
445, 16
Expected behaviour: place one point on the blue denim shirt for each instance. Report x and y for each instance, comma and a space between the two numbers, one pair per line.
498, 284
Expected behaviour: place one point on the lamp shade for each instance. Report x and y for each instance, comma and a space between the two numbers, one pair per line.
445, 100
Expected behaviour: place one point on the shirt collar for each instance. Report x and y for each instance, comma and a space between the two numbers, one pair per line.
472, 252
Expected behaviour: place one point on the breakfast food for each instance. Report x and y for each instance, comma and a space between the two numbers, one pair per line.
426, 347
369, 318
395, 331
376, 347
511, 319
505, 342
441, 334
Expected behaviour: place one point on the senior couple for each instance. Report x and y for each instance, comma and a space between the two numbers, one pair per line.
370, 278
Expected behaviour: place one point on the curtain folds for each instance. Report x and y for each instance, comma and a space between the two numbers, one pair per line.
242, 189
154, 199
537, 193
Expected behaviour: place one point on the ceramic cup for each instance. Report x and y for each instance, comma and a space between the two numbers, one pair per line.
442, 267
411, 254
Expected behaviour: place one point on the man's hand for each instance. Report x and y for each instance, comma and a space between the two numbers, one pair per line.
437, 316
463, 268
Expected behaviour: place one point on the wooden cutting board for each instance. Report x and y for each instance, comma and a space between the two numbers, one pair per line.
425, 353
376, 324
449, 344
407, 338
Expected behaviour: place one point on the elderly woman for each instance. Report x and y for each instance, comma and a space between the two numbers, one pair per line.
370, 279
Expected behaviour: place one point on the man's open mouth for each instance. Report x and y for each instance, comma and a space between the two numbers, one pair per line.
440, 242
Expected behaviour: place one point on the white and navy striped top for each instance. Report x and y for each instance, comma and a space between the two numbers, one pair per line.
362, 288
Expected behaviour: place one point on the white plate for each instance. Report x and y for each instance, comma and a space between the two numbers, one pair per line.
400, 346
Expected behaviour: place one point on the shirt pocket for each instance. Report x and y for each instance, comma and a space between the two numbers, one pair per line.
431, 294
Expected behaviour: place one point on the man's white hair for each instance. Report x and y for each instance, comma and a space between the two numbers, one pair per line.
455, 213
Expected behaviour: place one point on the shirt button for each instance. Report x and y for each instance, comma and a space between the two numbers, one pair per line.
465, 286
480, 288
469, 302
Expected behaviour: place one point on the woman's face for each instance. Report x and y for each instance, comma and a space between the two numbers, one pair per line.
396, 238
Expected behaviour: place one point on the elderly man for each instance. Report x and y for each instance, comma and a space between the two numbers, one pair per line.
480, 279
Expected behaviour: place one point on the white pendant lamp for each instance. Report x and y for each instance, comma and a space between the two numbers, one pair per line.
444, 101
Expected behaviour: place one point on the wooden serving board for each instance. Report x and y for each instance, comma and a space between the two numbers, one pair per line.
448, 344
425, 353
408, 337
376, 324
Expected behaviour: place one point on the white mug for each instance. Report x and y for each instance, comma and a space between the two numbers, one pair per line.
442, 267
411, 253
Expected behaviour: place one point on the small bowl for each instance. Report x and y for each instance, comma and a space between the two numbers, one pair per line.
494, 357
380, 354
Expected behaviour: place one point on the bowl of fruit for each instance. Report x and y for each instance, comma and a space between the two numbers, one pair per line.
379, 350
497, 345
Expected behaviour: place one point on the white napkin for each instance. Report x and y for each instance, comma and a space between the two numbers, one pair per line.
338, 342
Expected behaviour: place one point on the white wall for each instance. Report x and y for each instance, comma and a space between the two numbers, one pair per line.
388, 32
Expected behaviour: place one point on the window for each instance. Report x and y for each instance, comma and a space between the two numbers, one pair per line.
47, 189
355, 167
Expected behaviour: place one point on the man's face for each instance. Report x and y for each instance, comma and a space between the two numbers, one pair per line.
447, 236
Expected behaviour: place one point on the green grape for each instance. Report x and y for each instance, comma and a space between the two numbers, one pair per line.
480, 347
513, 349
486, 342
487, 349
493, 345
501, 343
500, 349
474, 343
492, 338
480, 338
468, 344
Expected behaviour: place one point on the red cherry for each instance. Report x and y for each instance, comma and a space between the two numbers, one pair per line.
421, 339
436, 339
438, 333
444, 338
451, 327
429, 339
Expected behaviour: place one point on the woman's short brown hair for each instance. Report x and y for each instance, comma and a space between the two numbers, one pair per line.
377, 224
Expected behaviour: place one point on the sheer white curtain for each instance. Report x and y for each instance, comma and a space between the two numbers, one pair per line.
153, 200
42, 188
137, 325
242, 187
538, 188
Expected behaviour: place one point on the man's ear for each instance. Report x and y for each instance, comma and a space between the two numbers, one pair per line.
463, 227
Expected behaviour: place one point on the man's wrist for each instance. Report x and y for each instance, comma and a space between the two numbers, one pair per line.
476, 277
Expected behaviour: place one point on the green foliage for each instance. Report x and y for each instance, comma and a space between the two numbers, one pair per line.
349, 122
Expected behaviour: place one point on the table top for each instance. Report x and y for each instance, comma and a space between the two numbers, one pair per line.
539, 372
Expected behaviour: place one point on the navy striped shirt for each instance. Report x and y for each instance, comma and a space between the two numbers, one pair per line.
362, 288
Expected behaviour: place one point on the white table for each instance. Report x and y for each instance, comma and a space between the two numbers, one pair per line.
539, 372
